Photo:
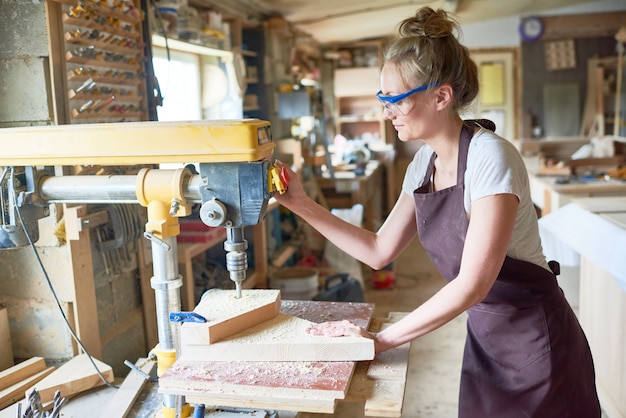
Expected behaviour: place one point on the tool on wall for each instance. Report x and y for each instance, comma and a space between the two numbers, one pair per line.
235, 182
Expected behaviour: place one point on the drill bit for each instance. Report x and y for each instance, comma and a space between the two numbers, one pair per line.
236, 257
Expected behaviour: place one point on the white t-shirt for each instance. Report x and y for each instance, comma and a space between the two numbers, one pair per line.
494, 166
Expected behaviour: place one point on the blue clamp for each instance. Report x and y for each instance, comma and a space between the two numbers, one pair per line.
186, 317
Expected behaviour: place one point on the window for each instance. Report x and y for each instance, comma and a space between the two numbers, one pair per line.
179, 81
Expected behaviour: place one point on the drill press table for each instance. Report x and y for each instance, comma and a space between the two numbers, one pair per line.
302, 385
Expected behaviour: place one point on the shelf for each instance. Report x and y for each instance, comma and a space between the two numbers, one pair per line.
107, 46
91, 24
134, 82
72, 95
106, 115
175, 44
75, 59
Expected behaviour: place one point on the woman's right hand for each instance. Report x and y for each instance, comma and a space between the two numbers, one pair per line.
294, 191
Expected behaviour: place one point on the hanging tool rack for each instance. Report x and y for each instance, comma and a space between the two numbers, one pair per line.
103, 60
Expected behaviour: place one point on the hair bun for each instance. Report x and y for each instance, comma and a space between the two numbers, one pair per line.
428, 23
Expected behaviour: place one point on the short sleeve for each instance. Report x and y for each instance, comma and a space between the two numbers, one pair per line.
494, 166
414, 176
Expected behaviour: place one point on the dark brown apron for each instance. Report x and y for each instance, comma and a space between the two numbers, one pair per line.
525, 353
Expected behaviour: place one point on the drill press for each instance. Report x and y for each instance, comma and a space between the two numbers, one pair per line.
235, 181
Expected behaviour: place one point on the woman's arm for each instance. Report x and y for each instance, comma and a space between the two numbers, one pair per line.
376, 249
487, 239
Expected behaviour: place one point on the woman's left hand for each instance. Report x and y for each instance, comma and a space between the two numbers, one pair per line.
343, 328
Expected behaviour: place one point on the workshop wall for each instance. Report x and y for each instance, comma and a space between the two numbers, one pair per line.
538, 79
25, 91
30, 58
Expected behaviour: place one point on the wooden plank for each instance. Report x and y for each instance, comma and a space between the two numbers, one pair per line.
129, 390
84, 289
15, 392
6, 349
316, 381
380, 384
75, 376
226, 315
282, 338
21, 371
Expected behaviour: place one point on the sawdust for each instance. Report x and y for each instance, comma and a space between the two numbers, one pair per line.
280, 328
297, 375
218, 304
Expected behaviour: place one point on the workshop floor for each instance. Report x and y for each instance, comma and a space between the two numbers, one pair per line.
435, 359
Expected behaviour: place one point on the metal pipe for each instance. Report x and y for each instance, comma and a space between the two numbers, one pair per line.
166, 283
103, 189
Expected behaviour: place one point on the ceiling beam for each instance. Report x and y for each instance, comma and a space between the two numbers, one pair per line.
246, 10
451, 5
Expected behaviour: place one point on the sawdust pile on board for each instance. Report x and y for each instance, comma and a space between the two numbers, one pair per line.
217, 304
280, 328
302, 375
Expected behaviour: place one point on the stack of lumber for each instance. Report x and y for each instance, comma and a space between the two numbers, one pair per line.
74, 377
15, 380
240, 358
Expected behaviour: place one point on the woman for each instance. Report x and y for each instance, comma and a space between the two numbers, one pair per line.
466, 196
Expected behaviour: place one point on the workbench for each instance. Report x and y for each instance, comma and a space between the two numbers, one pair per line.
593, 230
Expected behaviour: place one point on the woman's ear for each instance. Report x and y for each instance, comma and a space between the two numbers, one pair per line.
444, 95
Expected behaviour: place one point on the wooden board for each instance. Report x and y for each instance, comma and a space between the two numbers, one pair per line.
226, 315
75, 376
282, 338
15, 392
6, 349
380, 384
129, 390
302, 386
21, 371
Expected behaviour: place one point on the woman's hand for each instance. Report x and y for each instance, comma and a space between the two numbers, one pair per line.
294, 193
343, 328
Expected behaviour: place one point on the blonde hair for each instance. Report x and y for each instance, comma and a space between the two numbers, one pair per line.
427, 50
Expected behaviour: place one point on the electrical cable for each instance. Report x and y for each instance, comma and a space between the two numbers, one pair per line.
51, 287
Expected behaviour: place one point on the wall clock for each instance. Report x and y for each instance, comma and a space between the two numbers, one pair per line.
531, 28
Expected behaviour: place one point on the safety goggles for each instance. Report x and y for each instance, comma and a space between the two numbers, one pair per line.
396, 104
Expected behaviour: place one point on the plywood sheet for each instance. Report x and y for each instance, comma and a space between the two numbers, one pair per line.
226, 315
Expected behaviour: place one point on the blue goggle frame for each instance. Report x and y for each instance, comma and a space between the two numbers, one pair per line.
399, 97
